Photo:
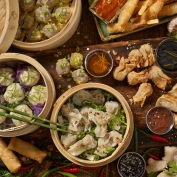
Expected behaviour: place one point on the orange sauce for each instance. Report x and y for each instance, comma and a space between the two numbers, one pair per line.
99, 64
107, 9
159, 120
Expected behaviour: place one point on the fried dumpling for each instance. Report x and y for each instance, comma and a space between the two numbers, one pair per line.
144, 91
122, 70
158, 77
87, 143
135, 57
169, 100
141, 77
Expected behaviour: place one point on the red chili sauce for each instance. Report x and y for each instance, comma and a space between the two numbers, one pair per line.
159, 120
107, 8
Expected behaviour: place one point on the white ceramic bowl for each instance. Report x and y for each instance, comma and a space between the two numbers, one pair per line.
51, 92
127, 136
60, 38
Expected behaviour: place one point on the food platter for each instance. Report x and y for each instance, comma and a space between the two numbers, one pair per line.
101, 27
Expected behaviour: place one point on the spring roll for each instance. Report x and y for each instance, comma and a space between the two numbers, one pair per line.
26, 149
9, 158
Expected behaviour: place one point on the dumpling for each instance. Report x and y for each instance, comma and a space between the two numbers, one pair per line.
76, 60
87, 143
135, 78
14, 93
169, 153
122, 70
135, 57
112, 107
63, 66
68, 139
158, 77
49, 3
43, 14
111, 139
169, 100
50, 30
29, 77
22, 108
37, 95
80, 76
2, 118
144, 91
98, 96
101, 120
73, 116
7, 76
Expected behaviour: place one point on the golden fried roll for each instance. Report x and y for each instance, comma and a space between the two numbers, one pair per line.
9, 158
26, 149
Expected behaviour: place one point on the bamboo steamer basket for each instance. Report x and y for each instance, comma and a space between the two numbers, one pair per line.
60, 38
51, 96
9, 15
126, 139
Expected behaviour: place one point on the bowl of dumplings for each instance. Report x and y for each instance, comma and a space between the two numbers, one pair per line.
46, 24
24, 86
98, 124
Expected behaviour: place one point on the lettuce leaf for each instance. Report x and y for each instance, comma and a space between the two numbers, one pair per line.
100, 107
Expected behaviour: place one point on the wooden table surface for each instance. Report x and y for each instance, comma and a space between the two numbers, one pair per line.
87, 36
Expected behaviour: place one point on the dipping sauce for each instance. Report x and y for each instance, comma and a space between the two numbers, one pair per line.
166, 55
98, 63
159, 120
131, 164
107, 9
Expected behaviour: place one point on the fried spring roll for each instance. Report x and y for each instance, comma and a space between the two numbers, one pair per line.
9, 158
26, 149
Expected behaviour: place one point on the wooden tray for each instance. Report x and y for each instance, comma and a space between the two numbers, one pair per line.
101, 26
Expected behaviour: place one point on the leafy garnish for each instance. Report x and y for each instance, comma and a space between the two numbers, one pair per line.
110, 150
108, 96
153, 174
100, 107
171, 168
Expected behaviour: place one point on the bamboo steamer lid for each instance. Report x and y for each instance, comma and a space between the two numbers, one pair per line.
9, 15
51, 96
127, 136
61, 37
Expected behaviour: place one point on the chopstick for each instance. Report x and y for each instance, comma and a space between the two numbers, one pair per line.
32, 121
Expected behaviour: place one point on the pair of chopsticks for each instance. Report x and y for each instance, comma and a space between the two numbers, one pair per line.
33, 118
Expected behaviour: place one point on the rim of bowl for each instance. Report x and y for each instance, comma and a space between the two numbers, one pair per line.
26, 59
98, 50
127, 136
137, 154
171, 125
156, 53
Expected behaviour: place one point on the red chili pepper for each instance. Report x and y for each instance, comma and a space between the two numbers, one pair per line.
70, 170
102, 173
26, 167
153, 157
156, 138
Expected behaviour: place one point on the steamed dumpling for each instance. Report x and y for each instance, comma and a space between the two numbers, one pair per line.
37, 95
2, 118
87, 143
62, 66
80, 76
14, 93
29, 77
22, 108
6, 76
68, 139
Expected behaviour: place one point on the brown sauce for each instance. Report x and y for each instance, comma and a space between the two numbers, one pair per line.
159, 120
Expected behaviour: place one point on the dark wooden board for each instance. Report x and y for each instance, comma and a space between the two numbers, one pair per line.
48, 60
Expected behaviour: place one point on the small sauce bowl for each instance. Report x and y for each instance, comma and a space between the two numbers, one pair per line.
98, 63
159, 120
166, 55
131, 164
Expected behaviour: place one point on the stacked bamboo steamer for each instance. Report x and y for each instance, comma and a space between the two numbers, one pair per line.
61, 37
127, 136
51, 93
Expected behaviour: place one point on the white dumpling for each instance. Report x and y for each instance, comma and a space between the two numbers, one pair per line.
22, 108
14, 93
2, 118
37, 95
29, 77
112, 107
98, 97
87, 143
73, 116
6, 76
68, 139
111, 139
101, 120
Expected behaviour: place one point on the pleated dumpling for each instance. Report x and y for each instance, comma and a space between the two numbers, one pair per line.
87, 143
6, 76
107, 142
101, 120
112, 107
68, 139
